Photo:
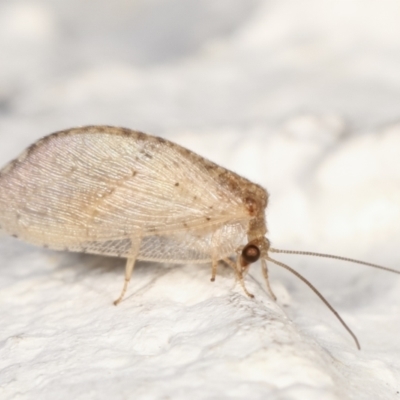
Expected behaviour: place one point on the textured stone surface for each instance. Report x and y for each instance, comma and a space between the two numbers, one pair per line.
301, 97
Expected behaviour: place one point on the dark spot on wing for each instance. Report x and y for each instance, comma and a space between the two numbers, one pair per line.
146, 154
251, 205
159, 139
31, 148
141, 135
99, 128
185, 152
230, 181
126, 132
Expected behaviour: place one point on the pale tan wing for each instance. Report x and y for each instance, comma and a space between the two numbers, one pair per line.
101, 188
194, 246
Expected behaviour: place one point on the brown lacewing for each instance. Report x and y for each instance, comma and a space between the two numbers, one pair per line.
117, 192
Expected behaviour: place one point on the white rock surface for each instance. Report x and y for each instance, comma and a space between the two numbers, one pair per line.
302, 97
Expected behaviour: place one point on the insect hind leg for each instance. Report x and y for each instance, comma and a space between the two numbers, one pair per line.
130, 263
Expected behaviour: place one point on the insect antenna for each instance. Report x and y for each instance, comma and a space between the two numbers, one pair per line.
314, 289
309, 253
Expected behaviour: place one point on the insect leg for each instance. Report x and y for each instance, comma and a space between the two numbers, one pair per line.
216, 243
239, 274
130, 263
214, 269
264, 269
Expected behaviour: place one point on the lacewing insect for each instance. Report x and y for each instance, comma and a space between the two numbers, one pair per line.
117, 192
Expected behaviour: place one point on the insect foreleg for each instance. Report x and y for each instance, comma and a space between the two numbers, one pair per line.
264, 269
239, 274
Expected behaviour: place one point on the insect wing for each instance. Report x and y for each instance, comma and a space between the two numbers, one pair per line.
101, 188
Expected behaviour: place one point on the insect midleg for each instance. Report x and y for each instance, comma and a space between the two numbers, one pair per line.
214, 269
264, 269
216, 243
239, 274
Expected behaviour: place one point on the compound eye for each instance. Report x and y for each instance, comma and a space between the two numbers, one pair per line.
251, 253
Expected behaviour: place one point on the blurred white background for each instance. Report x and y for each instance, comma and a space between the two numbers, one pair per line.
302, 97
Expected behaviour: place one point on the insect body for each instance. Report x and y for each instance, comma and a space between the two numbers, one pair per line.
117, 192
